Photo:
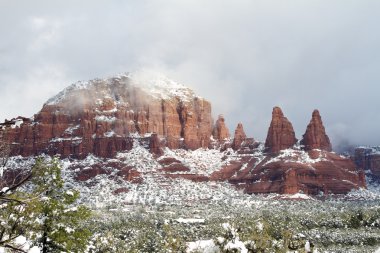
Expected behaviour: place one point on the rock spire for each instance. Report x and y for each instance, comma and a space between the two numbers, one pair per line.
280, 134
315, 136
239, 136
221, 132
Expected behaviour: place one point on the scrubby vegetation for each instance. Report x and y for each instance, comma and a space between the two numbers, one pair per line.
183, 216
277, 226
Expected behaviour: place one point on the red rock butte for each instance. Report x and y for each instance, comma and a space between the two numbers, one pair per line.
99, 116
104, 117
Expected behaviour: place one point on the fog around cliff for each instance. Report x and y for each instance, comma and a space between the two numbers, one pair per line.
244, 56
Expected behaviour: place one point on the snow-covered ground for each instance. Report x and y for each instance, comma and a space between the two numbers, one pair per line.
204, 206
156, 189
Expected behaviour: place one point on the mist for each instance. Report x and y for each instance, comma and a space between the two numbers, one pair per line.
243, 56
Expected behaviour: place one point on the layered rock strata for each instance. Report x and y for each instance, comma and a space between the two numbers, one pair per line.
103, 117
315, 136
99, 116
368, 158
280, 134
294, 171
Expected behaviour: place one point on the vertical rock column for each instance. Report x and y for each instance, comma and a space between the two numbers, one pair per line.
220, 131
239, 136
315, 136
280, 134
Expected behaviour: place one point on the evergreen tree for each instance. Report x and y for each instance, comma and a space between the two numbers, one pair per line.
43, 210
13, 202
59, 225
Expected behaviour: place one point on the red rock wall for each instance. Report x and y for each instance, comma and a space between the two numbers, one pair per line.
100, 118
367, 159
335, 174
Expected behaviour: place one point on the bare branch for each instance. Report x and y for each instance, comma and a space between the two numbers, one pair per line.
13, 248
16, 185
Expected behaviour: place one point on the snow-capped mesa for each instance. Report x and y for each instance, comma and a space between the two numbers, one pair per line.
98, 117
151, 127
159, 85
153, 83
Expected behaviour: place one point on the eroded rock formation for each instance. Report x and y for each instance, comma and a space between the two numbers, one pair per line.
368, 158
296, 171
280, 134
103, 117
315, 136
239, 137
98, 117
220, 131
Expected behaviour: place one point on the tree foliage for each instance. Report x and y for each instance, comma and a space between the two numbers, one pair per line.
43, 210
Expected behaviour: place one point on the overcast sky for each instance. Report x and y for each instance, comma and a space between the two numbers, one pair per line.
245, 56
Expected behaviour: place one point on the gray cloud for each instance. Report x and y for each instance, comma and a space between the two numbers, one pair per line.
244, 56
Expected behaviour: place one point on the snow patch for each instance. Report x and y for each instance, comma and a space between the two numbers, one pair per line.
160, 86
296, 156
17, 123
105, 118
80, 85
190, 221
296, 196
200, 161
57, 139
109, 134
71, 129
205, 246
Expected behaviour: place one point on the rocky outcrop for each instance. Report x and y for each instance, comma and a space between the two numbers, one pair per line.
103, 117
315, 136
220, 131
311, 168
99, 117
368, 158
280, 134
239, 137
112, 169
294, 171
155, 146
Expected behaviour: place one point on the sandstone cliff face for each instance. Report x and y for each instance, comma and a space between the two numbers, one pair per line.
280, 134
99, 116
368, 158
220, 131
315, 136
239, 136
294, 171
103, 117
